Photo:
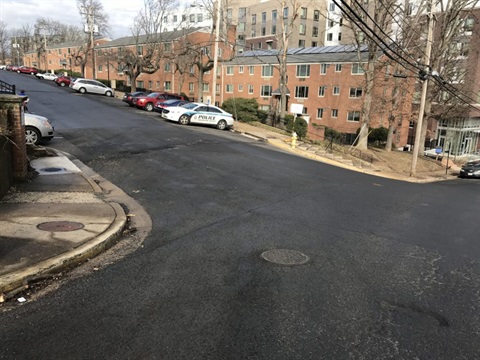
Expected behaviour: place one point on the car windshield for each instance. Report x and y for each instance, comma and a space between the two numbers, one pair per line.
189, 106
171, 101
153, 95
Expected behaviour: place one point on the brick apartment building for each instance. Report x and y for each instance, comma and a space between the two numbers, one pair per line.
327, 81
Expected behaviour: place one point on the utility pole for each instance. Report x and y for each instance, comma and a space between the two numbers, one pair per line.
215, 54
428, 51
91, 29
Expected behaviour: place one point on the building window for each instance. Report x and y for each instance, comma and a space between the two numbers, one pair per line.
229, 88
242, 12
251, 69
100, 68
339, 36
301, 43
229, 13
302, 29
336, 90
192, 70
229, 70
334, 113
356, 92
241, 27
140, 84
167, 67
150, 84
175, 18
254, 19
314, 43
315, 31
240, 69
303, 70
332, 7
323, 69
191, 86
266, 90
167, 85
316, 15
301, 92
321, 91
331, 23
469, 24
303, 12
274, 16
192, 18
240, 88
167, 46
267, 71
338, 67
264, 17
329, 37
285, 12
206, 87
250, 89
353, 116
357, 69
319, 113
274, 29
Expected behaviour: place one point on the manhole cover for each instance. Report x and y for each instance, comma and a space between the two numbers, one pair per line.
60, 226
53, 169
285, 257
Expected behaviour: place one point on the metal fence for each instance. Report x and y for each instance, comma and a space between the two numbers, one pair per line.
6, 88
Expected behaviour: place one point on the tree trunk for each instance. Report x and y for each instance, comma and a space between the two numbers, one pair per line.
362, 142
391, 128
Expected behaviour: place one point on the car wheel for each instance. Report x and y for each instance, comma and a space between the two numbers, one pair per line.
82, 90
184, 120
222, 125
62, 84
108, 93
149, 107
32, 135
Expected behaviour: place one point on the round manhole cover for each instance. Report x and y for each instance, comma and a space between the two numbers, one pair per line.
285, 257
60, 226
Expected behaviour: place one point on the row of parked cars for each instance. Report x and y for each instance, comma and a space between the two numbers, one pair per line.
179, 109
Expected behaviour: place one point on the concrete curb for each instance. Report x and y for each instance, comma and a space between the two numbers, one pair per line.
22, 278
284, 146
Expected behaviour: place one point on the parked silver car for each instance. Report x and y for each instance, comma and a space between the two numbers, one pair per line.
91, 86
37, 129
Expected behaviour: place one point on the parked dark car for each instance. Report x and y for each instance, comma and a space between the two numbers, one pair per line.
471, 169
161, 105
148, 102
63, 80
128, 97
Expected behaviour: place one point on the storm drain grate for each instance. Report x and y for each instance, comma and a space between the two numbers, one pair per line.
53, 169
285, 257
60, 226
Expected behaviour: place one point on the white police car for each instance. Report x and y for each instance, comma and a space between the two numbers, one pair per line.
197, 113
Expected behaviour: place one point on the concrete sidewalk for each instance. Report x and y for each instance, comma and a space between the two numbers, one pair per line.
53, 222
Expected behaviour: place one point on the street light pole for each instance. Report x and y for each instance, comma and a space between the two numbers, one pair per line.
428, 51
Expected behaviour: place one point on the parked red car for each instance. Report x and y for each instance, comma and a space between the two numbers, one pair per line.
27, 70
129, 97
148, 102
63, 81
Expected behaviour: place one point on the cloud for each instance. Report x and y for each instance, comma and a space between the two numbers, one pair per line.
16, 13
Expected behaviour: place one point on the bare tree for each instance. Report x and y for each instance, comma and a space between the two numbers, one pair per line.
96, 21
448, 59
145, 52
4, 42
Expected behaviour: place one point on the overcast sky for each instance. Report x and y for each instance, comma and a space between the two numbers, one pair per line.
16, 13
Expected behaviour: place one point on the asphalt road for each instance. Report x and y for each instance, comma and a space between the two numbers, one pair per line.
393, 272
